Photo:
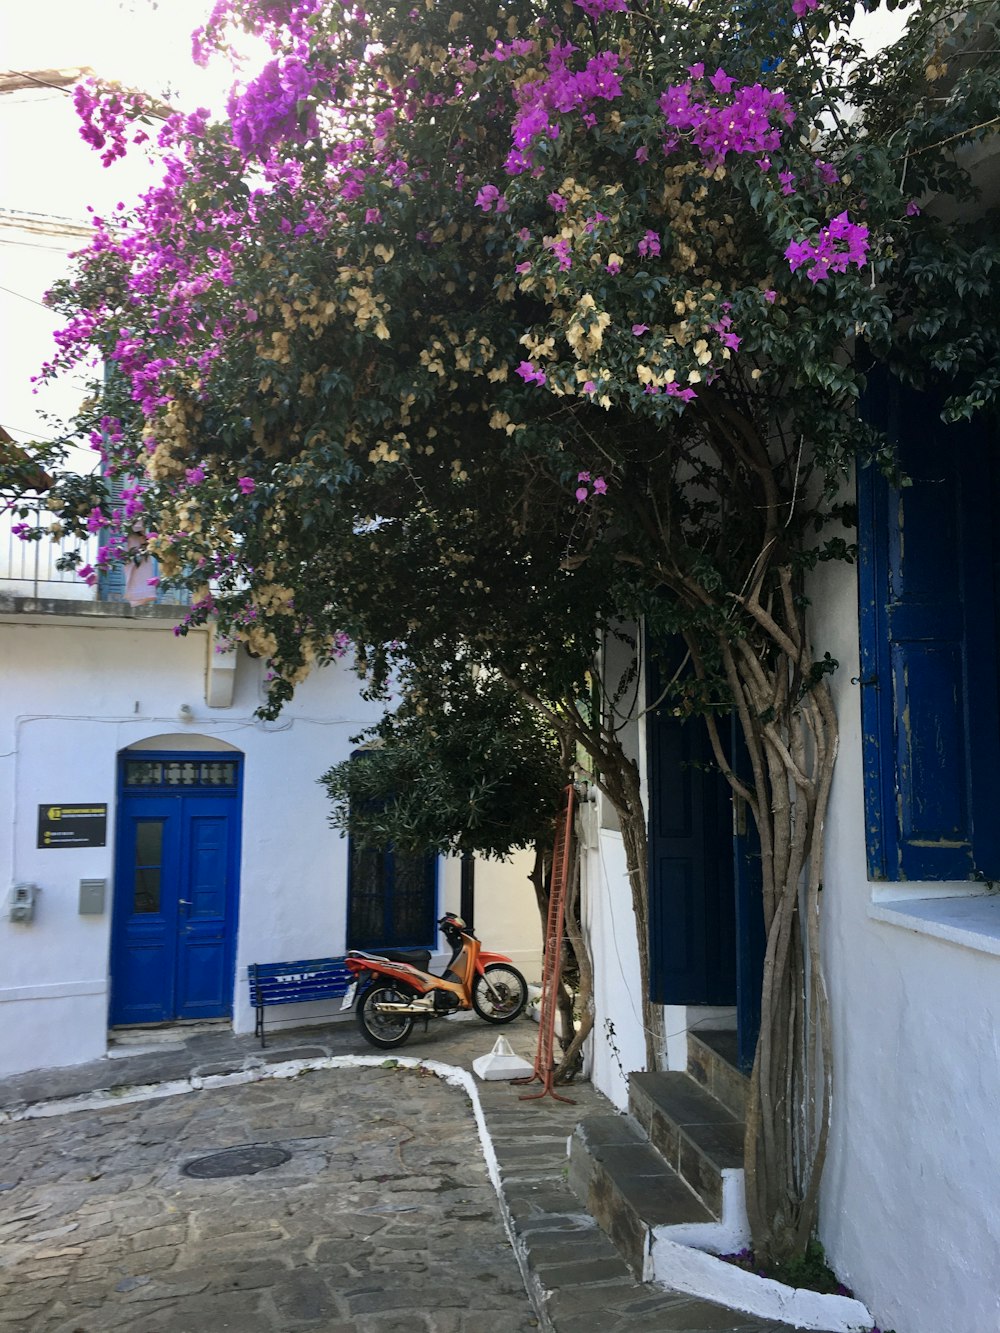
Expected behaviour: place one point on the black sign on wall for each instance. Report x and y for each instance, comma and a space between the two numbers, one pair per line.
72, 825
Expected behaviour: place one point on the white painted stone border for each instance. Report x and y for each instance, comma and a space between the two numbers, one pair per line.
701, 1274
457, 1077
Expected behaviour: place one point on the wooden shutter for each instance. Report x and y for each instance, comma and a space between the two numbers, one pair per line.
928, 649
111, 582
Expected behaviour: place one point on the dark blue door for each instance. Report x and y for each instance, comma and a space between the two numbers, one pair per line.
176, 878
692, 914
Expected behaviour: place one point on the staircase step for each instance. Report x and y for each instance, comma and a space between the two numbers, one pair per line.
712, 1062
695, 1134
626, 1186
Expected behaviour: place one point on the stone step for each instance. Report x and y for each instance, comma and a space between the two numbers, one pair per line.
627, 1187
696, 1135
712, 1062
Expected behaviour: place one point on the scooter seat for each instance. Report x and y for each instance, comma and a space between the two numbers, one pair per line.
418, 958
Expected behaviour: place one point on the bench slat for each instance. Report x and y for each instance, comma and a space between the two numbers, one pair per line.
307, 973
296, 982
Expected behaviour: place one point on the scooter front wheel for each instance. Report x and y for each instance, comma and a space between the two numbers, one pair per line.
381, 1027
500, 994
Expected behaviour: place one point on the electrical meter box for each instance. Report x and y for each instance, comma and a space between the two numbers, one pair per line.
21, 902
92, 896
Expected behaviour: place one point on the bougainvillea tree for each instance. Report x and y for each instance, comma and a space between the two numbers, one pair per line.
483, 325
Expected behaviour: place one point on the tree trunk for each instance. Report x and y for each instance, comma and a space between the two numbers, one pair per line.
585, 989
790, 729
577, 959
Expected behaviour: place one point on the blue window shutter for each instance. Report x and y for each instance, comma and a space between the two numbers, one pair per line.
928, 649
111, 582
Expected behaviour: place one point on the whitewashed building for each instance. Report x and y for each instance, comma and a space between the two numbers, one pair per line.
909, 1216
160, 838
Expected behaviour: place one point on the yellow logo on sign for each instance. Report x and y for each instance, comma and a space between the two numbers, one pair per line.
55, 812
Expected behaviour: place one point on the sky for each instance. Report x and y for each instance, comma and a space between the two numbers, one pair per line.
47, 169
136, 41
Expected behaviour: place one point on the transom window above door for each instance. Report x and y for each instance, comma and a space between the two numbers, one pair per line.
212, 773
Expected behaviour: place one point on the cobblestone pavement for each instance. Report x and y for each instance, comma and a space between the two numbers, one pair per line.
383, 1218
383, 1208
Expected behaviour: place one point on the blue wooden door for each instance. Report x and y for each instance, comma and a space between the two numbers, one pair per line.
692, 912
173, 935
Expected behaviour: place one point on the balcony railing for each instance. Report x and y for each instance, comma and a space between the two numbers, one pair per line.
28, 569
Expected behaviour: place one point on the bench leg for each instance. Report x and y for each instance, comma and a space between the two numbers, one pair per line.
259, 1029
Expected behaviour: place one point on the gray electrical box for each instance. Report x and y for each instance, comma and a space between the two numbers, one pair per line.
21, 902
93, 893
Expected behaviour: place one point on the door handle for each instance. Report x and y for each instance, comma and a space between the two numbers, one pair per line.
184, 902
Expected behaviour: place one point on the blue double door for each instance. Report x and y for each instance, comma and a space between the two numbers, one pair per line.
176, 889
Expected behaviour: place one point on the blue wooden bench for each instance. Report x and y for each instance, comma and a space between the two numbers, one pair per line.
295, 983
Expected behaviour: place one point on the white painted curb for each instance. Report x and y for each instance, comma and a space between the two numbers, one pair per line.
460, 1078
684, 1269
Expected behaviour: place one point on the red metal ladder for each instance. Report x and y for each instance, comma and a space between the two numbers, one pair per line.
552, 967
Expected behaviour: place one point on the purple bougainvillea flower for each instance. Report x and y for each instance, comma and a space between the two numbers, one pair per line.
839, 243
530, 374
640, 329
583, 476
561, 250
649, 245
595, 8
800, 8
828, 173
912, 209
247, 485
722, 82
194, 476
600, 486
557, 202
787, 179
581, 494
487, 197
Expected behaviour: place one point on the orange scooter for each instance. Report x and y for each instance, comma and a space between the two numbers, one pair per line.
395, 988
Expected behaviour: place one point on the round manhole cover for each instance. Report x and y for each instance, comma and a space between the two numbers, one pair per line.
245, 1160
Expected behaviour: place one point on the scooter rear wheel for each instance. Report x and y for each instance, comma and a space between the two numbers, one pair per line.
381, 1028
500, 994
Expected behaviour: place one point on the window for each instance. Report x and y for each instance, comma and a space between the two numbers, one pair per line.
927, 575
391, 899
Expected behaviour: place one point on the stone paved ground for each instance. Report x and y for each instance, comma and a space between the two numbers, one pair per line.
384, 1218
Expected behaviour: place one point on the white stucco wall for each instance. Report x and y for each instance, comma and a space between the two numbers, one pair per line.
617, 1044
75, 693
910, 1211
507, 919
910, 1208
